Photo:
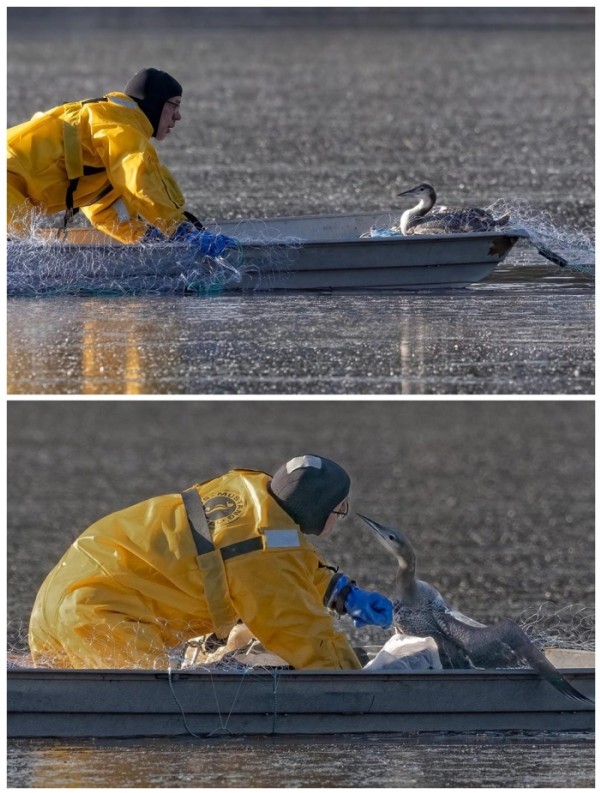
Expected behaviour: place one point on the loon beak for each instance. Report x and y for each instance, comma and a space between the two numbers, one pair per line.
377, 527
379, 530
394, 541
407, 192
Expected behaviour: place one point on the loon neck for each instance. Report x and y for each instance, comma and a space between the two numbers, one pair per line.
407, 564
422, 208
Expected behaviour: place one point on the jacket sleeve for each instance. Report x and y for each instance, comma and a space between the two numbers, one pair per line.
112, 215
279, 595
116, 215
135, 172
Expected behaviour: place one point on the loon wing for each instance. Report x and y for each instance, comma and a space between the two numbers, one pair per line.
504, 643
467, 620
453, 219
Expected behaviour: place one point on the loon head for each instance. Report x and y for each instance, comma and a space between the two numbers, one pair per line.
394, 541
421, 191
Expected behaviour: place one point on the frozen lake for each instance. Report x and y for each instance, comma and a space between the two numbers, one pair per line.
531, 335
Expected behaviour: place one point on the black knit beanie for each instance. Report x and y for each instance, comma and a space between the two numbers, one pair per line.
309, 488
151, 88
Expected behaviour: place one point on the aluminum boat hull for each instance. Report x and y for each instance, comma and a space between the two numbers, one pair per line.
44, 703
313, 252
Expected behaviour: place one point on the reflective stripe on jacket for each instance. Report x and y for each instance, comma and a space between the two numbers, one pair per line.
107, 146
133, 585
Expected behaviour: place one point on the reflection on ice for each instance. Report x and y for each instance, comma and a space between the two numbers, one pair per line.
523, 332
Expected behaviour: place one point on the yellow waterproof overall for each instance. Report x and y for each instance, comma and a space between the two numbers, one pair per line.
142, 580
96, 155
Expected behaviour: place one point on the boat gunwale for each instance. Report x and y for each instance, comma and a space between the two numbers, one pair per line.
202, 673
290, 241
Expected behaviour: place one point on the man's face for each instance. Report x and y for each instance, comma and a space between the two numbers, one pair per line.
339, 513
170, 115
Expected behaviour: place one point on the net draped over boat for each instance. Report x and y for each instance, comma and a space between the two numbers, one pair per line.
37, 266
570, 628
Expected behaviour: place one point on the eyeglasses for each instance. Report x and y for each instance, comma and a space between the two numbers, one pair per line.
340, 513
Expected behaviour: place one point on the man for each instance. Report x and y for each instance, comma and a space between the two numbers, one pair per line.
235, 548
97, 155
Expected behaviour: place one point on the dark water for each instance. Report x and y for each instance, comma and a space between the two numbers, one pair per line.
282, 121
497, 496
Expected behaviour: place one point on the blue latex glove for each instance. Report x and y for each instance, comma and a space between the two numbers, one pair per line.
208, 243
365, 608
153, 235
369, 608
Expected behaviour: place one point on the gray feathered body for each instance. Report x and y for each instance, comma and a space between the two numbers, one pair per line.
415, 615
450, 220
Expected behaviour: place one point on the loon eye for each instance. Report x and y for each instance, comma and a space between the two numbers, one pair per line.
391, 537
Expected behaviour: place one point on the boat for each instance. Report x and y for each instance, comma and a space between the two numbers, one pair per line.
310, 252
65, 703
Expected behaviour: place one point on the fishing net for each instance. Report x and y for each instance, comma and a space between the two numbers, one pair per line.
574, 249
38, 266
240, 651
567, 628
447, 221
570, 628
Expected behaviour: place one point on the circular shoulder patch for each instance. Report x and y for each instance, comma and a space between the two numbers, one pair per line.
225, 506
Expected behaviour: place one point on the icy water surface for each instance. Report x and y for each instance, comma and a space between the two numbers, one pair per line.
538, 760
525, 336
321, 119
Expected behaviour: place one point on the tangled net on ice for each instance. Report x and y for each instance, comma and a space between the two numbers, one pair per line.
38, 266
575, 247
240, 651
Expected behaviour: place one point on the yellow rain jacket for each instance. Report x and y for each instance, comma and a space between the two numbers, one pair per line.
134, 585
96, 155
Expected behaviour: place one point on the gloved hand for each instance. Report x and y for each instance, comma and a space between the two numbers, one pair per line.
208, 243
153, 235
369, 608
365, 608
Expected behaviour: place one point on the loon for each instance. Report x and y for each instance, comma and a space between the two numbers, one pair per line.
462, 642
424, 219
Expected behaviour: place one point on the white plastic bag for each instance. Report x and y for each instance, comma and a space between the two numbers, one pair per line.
406, 654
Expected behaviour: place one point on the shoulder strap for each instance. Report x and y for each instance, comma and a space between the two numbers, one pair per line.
197, 520
196, 516
211, 564
74, 160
